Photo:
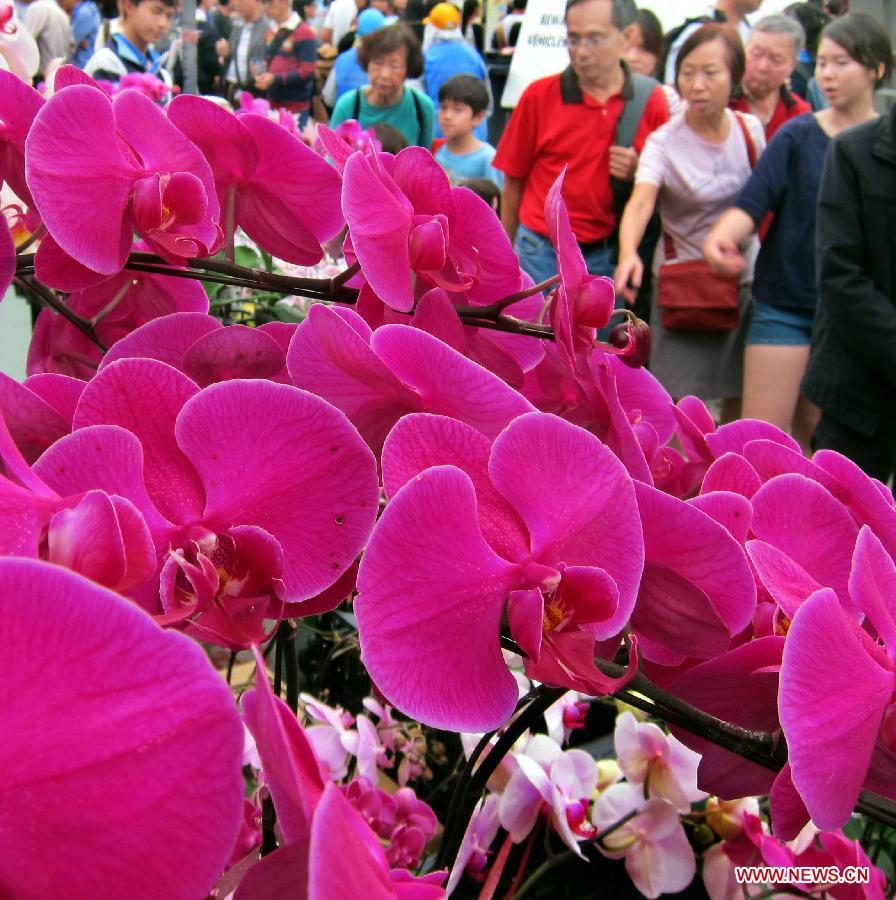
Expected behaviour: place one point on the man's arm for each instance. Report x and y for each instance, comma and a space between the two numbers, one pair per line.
510, 204
861, 314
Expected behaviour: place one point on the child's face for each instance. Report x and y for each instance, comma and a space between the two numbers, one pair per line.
457, 119
147, 22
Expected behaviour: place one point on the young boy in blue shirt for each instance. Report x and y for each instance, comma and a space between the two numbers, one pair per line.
463, 103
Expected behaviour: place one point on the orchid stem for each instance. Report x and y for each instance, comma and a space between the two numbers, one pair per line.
459, 815
38, 233
48, 298
337, 281
230, 224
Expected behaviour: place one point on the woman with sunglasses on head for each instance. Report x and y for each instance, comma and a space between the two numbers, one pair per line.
854, 56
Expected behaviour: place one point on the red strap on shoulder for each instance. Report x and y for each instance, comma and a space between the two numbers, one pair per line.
748, 138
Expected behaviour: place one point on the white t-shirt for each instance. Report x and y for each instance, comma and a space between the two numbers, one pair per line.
743, 29
339, 18
698, 181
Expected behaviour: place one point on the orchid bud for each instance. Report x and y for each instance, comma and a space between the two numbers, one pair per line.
634, 342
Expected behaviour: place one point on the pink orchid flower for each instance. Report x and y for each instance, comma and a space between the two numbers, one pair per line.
411, 231
152, 179
7, 257
340, 142
558, 783
238, 544
110, 763
658, 856
19, 104
207, 351
560, 553
582, 303
329, 851
691, 602
118, 305
255, 164
837, 690
375, 377
648, 756
39, 410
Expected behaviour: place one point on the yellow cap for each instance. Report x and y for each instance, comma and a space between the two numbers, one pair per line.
443, 16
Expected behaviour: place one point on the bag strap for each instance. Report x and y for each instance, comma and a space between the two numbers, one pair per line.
748, 140
627, 126
356, 113
668, 245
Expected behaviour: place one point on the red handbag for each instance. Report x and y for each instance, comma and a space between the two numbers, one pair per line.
691, 295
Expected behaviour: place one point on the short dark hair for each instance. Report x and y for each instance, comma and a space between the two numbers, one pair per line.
864, 39
624, 11
390, 138
651, 32
486, 189
466, 89
387, 40
734, 50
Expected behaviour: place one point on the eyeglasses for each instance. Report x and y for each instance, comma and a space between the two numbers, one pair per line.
587, 41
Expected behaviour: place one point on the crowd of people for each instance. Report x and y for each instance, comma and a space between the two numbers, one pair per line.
732, 176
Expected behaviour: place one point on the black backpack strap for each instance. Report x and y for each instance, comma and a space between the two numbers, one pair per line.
419, 113
627, 126
356, 113
640, 89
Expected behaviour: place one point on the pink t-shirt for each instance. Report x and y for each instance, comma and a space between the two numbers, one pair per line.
698, 181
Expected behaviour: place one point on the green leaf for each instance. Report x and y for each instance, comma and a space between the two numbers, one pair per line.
247, 256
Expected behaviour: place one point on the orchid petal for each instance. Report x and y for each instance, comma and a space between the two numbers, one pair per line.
417, 619
145, 397
149, 713
322, 513
832, 697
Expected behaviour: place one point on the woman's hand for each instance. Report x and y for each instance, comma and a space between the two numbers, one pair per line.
723, 254
627, 277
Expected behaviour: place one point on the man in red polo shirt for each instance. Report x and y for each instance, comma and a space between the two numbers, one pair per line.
569, 120
774, 45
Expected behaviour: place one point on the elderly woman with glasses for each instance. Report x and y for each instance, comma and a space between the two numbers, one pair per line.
390, 56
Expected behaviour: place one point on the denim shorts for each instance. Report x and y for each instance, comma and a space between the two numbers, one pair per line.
784, 325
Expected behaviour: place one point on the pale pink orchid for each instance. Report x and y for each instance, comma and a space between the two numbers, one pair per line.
108, 766
658, 857
552, 782
376, 377
568, 714
472, 857
118, 306
411, 231
237, 543
153, 181
663, 765
18, 49
559, 553
280, 192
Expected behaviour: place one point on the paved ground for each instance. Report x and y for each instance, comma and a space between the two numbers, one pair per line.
15, 332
